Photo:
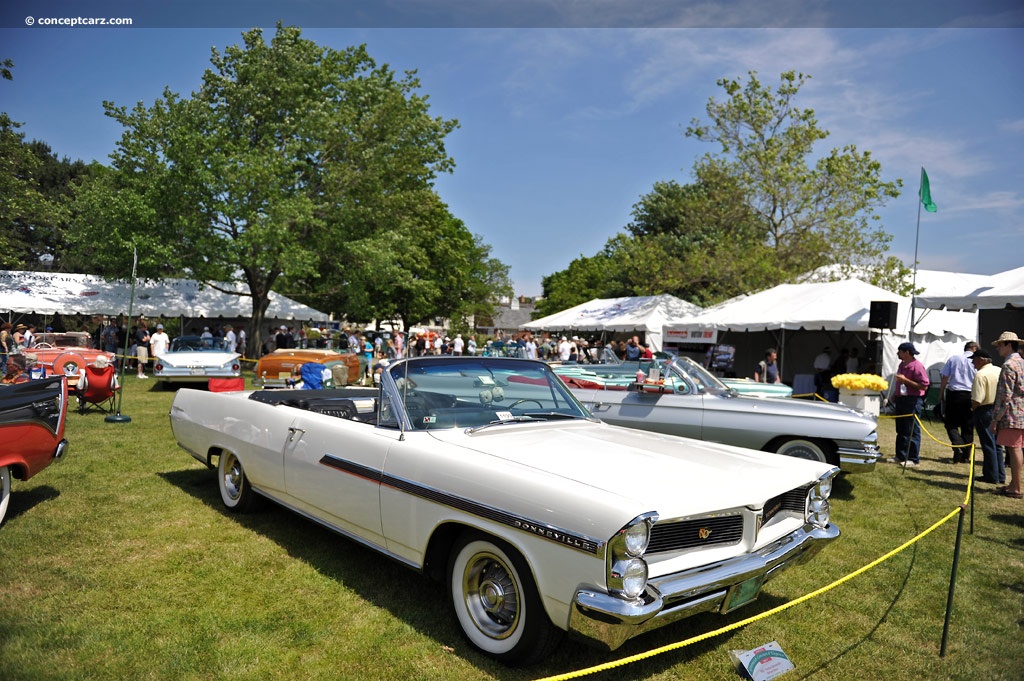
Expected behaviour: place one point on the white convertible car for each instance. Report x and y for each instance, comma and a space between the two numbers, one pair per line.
194, 359
488, 474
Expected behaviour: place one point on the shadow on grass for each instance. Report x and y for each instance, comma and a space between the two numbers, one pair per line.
388, 585
951, 479
871, 632
842, 488
24, 501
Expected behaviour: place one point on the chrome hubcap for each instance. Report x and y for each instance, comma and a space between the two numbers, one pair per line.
491, 596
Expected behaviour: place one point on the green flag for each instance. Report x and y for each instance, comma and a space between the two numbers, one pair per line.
926, 193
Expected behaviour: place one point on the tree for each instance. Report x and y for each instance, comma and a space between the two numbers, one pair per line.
699, 242
586, 278
814, 214
25, 211
289, 154
422, 264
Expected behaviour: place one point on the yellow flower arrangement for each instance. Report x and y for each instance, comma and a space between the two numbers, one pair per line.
860, 382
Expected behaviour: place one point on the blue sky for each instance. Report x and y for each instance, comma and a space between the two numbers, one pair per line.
564, 127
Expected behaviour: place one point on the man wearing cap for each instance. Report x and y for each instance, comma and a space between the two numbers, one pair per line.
282, 340
983, 397
1008, 412
159, 341
564, 349
955, 397
911, 381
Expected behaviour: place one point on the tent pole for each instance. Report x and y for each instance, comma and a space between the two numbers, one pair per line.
119, 417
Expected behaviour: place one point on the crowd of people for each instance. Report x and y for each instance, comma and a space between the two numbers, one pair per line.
976, 399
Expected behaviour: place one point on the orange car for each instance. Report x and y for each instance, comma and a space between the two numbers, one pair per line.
275, 368
63, 354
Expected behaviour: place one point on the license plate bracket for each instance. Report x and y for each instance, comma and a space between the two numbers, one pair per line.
742, 593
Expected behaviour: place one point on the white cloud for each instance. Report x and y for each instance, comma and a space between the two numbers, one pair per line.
1016, 126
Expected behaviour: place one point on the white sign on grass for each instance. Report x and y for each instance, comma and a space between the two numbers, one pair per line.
761, 664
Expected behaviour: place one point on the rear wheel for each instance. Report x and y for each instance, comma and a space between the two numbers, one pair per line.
802, 449
5, 491
496, 601
235, 490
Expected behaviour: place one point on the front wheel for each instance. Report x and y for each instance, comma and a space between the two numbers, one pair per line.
496, 602
235, 490
802, 449
5, 491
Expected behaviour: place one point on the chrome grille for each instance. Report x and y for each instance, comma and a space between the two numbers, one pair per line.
687, 534
793, 500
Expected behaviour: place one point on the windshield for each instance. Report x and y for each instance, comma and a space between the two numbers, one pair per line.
65, 340
198, 344
704, 380
466, 392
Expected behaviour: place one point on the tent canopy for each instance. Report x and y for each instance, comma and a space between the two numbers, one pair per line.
829, 306
649, 314
52, 293
979, 292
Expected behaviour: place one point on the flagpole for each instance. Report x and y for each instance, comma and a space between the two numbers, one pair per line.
917, 238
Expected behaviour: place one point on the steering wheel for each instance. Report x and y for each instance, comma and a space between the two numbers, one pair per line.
525, 399
44, 346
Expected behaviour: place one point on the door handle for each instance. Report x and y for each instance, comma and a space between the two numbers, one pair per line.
293, 431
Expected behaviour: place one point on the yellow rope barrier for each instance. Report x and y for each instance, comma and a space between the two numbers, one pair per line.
785, 606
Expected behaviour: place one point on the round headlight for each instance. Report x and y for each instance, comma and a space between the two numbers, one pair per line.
818, 512
633, 575
637, 536
825, 487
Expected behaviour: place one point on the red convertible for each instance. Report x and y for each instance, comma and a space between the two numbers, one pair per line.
32, 417
64, 354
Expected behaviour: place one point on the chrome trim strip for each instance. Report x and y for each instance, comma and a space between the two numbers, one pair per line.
535, 527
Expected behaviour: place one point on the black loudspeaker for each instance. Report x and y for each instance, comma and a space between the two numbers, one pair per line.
872, 355
883, 314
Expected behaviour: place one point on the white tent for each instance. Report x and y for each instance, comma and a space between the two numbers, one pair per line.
647, 314
50, 293
980, 292
837, 306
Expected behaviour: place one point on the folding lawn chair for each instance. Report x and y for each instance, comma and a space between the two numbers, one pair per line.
97, 389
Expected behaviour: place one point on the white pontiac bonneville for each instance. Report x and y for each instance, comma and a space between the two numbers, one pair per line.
488, 474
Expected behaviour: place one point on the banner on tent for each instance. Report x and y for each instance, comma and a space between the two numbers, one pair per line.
691, 335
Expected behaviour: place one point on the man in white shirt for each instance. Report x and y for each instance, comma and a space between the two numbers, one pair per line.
458, 345
159, 341
955, 397
230, 339
531, 348
564, 349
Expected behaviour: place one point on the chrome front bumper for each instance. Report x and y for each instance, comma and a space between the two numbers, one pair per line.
859, 460
608, 621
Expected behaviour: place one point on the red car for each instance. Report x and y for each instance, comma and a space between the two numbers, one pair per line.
32, 417
63, 354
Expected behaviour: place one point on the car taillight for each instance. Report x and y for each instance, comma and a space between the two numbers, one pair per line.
235, 367
159, 366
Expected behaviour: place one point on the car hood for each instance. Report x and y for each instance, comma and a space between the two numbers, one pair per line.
215, 359
674, 475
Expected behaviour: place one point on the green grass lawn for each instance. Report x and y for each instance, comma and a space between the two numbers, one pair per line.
119, 562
